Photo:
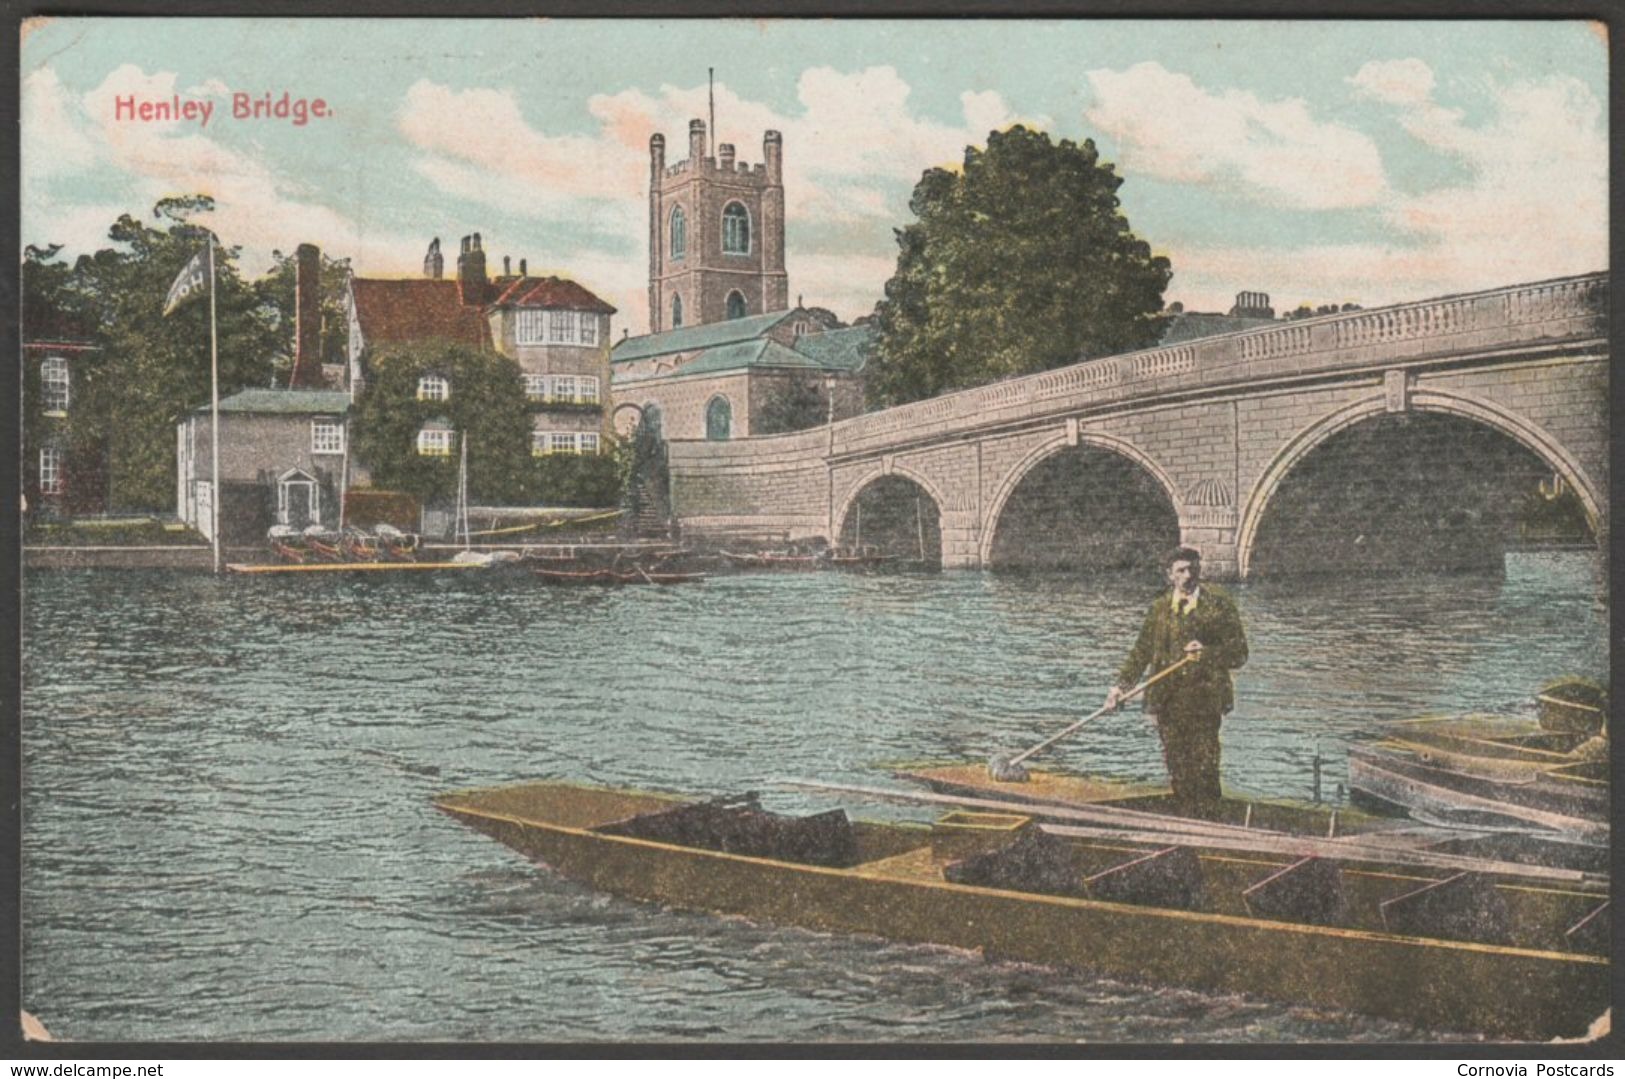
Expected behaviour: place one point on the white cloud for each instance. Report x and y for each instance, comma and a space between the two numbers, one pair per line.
1535, 202
1271, 151
1394, 82
68, 137
851, 153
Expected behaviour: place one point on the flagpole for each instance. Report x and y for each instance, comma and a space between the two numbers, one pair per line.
214, 411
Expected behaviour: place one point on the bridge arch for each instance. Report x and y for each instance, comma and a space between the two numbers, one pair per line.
1528, 435
1049, 448
869, 478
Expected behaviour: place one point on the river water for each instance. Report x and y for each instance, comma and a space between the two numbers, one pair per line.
228, 835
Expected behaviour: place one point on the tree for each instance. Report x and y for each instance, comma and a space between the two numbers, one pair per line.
153, 369
1019, 262
486, 403
792, 404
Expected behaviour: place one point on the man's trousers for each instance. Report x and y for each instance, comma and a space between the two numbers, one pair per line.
1190, 749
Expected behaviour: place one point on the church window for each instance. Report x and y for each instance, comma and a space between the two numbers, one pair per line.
718, 419
736, 304
735, 229
679, 233
676, 312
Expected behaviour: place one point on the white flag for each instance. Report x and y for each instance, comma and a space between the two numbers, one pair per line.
193, 279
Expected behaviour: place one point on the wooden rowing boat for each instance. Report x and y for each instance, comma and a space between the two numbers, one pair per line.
1456, 951
345, 567
1572, 806
1123, 804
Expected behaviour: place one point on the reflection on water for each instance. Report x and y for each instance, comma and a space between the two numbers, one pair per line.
227, 829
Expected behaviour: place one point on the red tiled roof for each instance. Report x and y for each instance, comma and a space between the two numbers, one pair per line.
417, 310
551, 292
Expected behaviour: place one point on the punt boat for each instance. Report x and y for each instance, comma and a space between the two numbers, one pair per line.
1568, 801
1440, 944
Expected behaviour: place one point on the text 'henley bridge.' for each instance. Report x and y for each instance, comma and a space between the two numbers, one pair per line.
1386, 437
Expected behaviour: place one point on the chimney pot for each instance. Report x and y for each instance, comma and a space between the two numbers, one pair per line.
521, 267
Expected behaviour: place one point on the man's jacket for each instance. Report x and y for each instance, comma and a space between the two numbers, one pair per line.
1200, 687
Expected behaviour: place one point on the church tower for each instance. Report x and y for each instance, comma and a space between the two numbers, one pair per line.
716, 233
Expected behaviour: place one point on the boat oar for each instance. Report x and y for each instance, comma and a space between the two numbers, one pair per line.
1010, 770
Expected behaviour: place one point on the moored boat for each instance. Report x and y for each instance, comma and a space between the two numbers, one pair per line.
1569, 801
1452, 950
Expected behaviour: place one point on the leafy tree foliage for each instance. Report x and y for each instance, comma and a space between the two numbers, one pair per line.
1020, 262
152, 369
486, 403
793, 404
564, 479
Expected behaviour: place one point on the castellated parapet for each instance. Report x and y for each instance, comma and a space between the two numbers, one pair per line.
716, 232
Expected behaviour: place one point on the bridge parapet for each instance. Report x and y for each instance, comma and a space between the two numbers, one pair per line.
1354, 341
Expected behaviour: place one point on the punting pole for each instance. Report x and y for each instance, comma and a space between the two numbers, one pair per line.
1157, 828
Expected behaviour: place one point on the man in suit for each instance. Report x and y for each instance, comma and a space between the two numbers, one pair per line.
1199, 621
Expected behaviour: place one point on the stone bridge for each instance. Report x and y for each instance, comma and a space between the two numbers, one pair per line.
1217, 424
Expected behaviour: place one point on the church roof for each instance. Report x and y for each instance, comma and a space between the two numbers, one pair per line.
550, 292
694, 338
846, 349
416, 309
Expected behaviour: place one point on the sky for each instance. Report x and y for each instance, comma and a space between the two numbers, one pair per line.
1320, 162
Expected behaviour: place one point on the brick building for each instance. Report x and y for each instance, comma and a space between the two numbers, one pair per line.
57, 479
282, 461
556, 331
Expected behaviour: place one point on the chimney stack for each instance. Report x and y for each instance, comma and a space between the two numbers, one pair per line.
433, 264
307, 318
521, 267
505, 271
471, 280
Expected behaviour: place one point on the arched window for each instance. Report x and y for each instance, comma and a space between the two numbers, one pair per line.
679, 233
676, 312
735, 229
736, 304
719, 416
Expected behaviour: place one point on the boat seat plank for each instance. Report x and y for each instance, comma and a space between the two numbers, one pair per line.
1308, 890
1466, 906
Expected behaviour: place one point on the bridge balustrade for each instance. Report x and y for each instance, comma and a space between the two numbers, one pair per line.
1350, 340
